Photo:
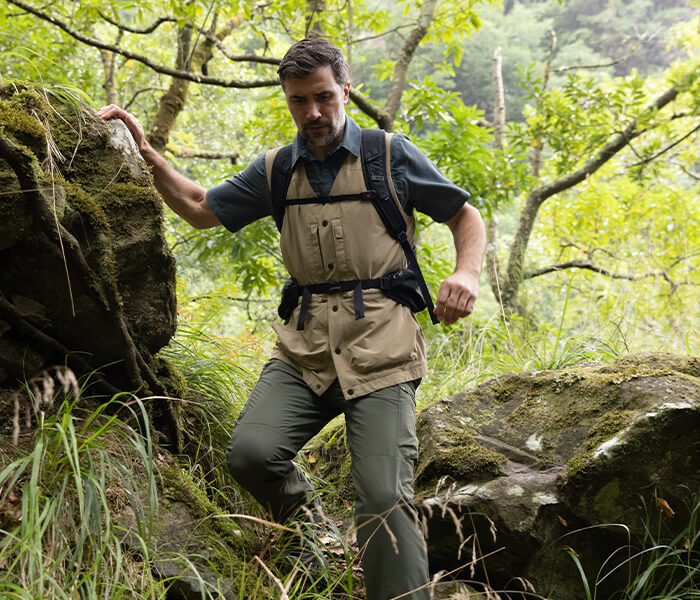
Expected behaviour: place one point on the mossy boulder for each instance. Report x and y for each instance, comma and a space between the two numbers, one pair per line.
533, 462
86, 271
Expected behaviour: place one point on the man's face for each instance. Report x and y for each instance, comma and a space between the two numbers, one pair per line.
317, 105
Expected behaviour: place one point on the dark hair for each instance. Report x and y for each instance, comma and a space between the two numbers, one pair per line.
307, 55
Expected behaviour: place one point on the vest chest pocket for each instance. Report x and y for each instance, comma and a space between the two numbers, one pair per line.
341, 250
315, 251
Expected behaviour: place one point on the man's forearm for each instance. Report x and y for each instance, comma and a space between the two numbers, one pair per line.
469, 235
458, 293
185, 197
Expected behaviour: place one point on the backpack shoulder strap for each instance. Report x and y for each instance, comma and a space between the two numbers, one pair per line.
278, 165
374, 167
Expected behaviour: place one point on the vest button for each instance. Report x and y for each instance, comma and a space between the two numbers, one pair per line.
351, 392
330, 266
337, 350
325, 223
335, 308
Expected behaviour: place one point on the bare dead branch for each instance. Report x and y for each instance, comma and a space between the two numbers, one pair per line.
499, 110
178, 73
596, 66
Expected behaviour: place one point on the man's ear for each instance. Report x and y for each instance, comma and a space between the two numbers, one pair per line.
346, 93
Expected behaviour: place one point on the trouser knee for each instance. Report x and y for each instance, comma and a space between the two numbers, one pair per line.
248, 454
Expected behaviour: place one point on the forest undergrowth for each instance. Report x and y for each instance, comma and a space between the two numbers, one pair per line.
70, 471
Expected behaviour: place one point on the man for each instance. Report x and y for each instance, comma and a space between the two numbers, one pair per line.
332, 357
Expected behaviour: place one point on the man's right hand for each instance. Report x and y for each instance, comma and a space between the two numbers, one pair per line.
185, 197
114, 112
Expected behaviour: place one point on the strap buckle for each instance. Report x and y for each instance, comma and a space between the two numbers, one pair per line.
334, 287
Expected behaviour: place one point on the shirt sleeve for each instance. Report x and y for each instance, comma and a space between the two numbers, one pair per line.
419, 183
244, 198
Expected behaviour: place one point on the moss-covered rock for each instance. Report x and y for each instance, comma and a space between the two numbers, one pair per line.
85, 267
530, 462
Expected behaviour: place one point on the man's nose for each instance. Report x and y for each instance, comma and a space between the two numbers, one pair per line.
313, 111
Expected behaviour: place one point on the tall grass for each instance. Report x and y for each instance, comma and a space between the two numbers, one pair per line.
58, 490
660, 568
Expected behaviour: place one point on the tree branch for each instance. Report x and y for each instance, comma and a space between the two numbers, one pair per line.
688, 172
537, 197
180, 74
149, 29
409, 48
381, 116
664, 150
578, 264
182, 152
255, 58
598, 66
617, 143
137, 93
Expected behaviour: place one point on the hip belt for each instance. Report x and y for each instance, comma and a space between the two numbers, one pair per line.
401, 286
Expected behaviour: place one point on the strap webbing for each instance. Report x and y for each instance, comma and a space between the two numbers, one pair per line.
338, 287
374, 169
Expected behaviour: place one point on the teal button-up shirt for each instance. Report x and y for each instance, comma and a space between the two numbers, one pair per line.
418, 182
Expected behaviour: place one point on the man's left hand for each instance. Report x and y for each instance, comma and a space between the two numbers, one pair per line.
456, 297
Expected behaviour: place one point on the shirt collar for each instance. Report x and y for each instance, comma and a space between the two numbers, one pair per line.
352, 140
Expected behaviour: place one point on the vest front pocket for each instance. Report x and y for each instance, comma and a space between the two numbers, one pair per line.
309, 347
388, 335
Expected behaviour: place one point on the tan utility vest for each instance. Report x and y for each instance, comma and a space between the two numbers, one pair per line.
338, 241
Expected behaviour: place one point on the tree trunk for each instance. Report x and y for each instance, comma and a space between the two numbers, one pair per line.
398, 82
493, 267
173, 101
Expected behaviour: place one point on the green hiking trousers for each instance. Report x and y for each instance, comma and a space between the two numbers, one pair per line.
282, 414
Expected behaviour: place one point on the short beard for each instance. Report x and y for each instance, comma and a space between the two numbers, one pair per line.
334, 136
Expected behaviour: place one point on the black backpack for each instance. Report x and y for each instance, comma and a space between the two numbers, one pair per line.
406, 286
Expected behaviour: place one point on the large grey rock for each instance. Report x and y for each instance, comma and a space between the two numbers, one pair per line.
524, 465
92, 183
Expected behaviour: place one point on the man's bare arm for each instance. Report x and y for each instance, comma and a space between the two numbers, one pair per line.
459, 291
185, 197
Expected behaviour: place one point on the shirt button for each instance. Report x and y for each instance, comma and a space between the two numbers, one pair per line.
351, 392
318, 386
335, 308
325, 223
337, 350
330, 266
